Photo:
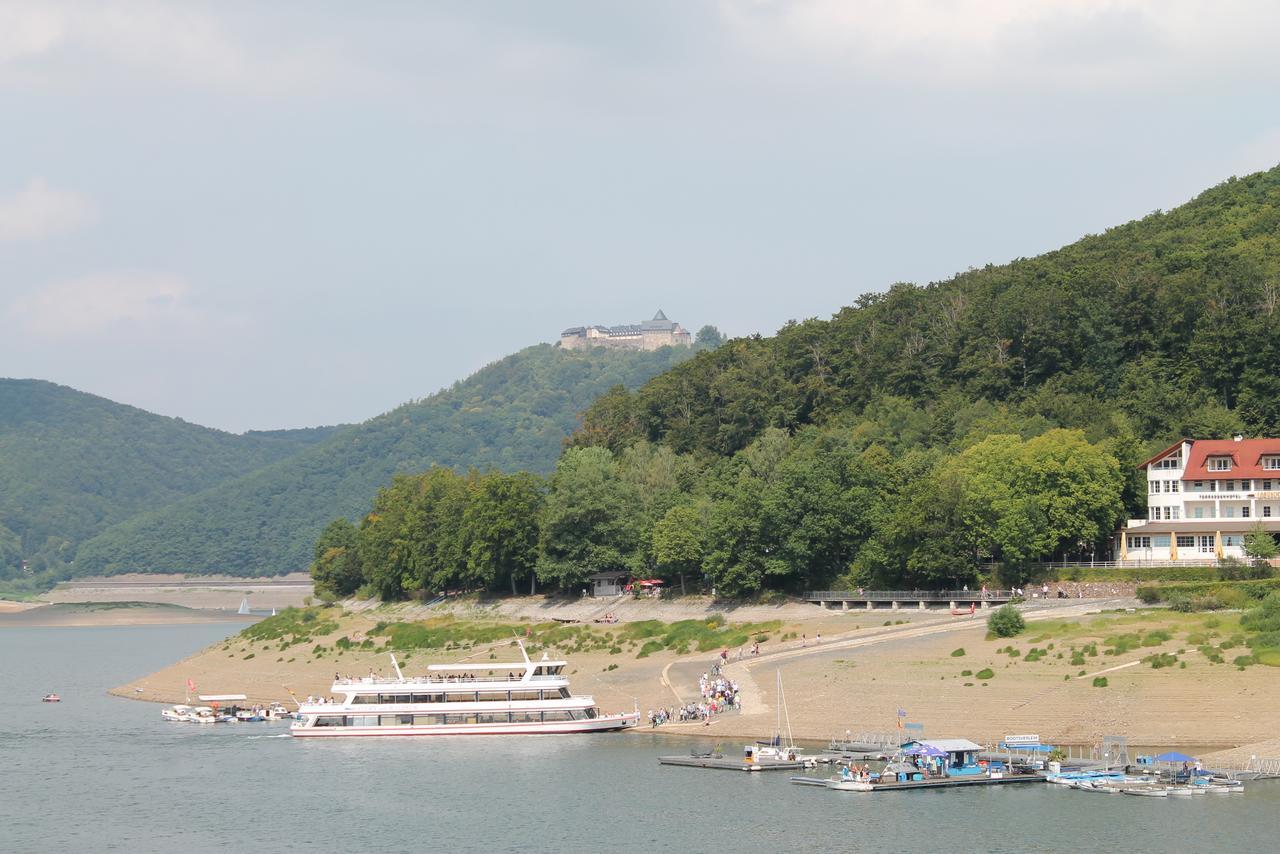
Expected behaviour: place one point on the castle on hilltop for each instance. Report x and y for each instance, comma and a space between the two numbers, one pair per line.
647, 335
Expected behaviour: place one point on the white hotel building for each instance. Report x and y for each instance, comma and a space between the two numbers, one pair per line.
1203, 496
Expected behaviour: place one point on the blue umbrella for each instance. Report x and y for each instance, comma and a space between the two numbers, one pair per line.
1175, 757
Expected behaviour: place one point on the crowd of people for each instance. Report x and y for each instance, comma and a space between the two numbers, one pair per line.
717, 694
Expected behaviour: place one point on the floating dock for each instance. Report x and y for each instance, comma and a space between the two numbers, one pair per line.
937, 783
736, 763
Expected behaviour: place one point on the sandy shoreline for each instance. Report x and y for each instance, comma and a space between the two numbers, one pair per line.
116, 614
863, 672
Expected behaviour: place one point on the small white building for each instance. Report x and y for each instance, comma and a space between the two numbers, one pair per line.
1203, 496
612, 583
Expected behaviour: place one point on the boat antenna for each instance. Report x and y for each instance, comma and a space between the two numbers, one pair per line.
396, 667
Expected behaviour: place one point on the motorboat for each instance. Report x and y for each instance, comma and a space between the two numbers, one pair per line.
249, 716
51, 698
277, 712
206, 715
177, 713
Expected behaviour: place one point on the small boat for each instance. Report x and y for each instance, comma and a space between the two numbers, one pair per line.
1147, 793
205, 715
249, 716
51, 698
277, 712
850, 783
177, 713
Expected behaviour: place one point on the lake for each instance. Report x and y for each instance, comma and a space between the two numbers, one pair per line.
100, 773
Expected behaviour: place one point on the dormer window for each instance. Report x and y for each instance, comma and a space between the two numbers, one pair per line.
1220, 464
1271, 463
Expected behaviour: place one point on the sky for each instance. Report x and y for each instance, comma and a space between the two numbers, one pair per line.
259, 216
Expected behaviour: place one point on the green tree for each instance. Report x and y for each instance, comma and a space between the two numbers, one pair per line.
679, 540
589, 520
708, 338
502, 530
1259, 544
336, 567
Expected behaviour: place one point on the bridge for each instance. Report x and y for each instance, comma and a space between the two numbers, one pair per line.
895, 599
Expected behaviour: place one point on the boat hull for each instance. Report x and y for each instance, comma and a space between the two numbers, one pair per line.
604, 723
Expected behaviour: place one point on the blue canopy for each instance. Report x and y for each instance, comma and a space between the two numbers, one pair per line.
1175, 757
924, 750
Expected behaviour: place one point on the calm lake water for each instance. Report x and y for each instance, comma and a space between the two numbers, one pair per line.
98, 773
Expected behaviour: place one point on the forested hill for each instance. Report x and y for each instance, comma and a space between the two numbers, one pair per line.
1170, 321
72, 464
513, 414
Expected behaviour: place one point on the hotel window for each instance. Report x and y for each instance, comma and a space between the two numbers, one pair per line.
1244, 512
1153, 513
1271, 463
1266, 510
1266, 485
1171, 486
1199, 485
1246, 485
1219, 464
1231, 539
1186, 541
1229, 486
1160, 541
1153, 486
1206, 544
1176, 511
1228, 512
1139, 542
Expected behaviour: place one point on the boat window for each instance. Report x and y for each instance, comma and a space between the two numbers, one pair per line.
495, 718
362, 720
564, 693
329, 721
468, 697
526, 695
556, 716
428, 720
427, 698
365, 698
592, 712
537, 671
525, 717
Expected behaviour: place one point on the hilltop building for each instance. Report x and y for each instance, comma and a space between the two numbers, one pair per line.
1203, 496
648, 335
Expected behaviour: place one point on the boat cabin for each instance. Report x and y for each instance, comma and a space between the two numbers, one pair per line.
952, 757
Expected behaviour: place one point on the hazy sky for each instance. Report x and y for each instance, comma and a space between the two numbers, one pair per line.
257, 215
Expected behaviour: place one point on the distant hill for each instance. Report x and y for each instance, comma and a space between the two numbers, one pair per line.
73, 464
511, 415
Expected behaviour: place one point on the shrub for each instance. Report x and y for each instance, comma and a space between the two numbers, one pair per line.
650, 648
1243, 661
966, 672
1269, 657
1100, 682
1161, 659
1006, 622
985, 673
957, 653
1149, 595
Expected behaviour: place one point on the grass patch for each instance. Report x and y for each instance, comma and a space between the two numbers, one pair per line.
985, 673
957, 653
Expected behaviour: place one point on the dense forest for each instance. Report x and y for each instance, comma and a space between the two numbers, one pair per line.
914, 438
512, 415
72, 464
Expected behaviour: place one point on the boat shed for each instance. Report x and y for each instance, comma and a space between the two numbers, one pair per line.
960, 753
609, 583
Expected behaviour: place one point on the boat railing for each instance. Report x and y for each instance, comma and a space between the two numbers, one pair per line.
439, 680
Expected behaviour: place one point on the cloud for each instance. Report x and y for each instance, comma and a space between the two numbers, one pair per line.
102, 302
38, 211
63, 43
1082, 44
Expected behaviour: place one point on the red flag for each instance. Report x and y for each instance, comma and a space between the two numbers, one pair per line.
191, 686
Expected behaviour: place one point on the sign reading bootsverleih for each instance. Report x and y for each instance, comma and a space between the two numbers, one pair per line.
1022, 740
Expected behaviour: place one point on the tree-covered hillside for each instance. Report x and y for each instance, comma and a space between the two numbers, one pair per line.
1170, 321
915, 439
72, 464
514, 414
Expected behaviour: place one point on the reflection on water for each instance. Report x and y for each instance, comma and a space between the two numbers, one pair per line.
101, 773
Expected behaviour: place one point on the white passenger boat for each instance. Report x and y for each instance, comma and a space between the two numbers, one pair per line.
206, 715
459, 699
177, 713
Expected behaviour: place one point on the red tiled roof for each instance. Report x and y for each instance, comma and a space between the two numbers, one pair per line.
1246, 458
1174, 447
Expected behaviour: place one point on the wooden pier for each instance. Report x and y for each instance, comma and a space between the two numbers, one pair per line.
935, 783
736, 763
870, 600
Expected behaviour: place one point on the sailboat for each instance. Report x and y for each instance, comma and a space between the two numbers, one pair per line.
773, 749
244, 606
